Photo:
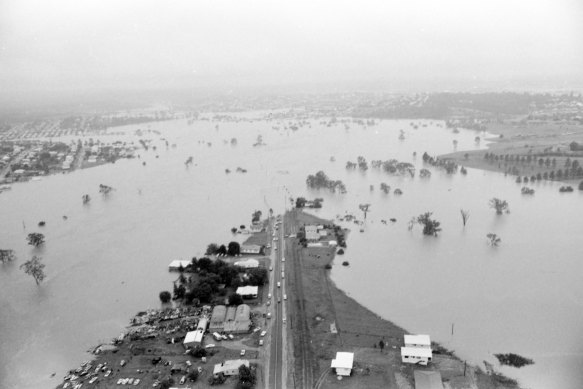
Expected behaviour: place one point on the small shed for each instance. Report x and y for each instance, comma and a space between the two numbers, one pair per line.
343, 363
427, 379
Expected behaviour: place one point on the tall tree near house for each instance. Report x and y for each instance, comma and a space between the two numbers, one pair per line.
35, 268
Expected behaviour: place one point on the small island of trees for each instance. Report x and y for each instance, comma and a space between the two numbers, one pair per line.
321, 181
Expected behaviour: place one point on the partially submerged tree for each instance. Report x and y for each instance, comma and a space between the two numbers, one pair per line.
165, 296
465, 216
7, 256
430, 226
35, 239
364, 208
501, 206
493, 239
34, 268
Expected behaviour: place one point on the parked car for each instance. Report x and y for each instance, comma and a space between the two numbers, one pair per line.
261, 342
285, 296
263, 333
242, 352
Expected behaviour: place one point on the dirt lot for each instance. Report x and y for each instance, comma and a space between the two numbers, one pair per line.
324, 308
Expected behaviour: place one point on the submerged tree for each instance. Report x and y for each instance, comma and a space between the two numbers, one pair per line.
465, 216
35, 239
7, 256
493, 239
34, 268
364, 208
430, 226
501, 206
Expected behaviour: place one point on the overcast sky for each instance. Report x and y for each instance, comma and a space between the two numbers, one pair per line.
80, 44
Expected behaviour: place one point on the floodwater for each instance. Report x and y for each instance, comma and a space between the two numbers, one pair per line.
109, 259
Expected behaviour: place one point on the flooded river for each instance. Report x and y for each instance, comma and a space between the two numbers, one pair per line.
109, 258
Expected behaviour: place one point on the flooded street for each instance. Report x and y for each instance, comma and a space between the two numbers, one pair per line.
108, 259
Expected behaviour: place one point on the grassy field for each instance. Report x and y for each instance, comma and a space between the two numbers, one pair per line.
537, 140
358, 330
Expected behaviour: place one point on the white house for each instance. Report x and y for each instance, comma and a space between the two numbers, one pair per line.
248, 264
175, 265
250, 249
343, 363
248, 291
230, 367
417, 350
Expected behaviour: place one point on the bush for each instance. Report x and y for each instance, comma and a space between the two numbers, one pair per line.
345, 263
328, 266
513, 360
165, 296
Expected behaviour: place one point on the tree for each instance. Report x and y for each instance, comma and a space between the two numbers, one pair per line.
165, 296
501, 206
247, 377
381, 345
7, 256
300, 202
34, 268
581, 185
258, 276
465, 216
203, 292
364, 208
256, 217
235, 299
493, 239
222, 250
430, 226
193, 375
212, 248
234, 249
35, 239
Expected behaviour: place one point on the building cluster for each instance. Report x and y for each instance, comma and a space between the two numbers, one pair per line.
319, 235
233, 320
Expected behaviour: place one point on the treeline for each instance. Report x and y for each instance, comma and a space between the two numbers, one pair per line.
301, 202
570, 168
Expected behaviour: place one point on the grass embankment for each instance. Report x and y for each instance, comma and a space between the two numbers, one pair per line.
548, 140
336, 322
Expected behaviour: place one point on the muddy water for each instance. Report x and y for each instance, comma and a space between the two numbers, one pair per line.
109, 259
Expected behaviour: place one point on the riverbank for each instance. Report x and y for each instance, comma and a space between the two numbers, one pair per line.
517, 149
332, 321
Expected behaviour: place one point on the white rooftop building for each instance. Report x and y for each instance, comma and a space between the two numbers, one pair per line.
230, 367
175, 265
248, 291
417, 341
343, 363
193, 338
417, 349
248, 264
